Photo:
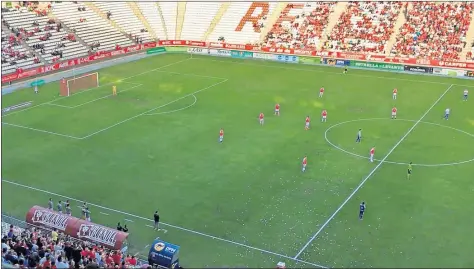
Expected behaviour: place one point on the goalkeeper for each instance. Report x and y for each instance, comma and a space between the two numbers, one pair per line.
114, 90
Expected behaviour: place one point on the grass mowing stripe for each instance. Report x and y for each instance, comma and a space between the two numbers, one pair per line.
371, 173
166, 224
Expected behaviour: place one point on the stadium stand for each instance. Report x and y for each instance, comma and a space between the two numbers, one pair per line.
151, 13
198, 18
125, 19
364, 27
300, 25
47, 34
434, 30
25, 246
169, 12
93, 30
242, 22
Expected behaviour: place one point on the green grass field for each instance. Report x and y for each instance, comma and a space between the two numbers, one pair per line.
245, 202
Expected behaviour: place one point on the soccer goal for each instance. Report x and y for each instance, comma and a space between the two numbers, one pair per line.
69, 86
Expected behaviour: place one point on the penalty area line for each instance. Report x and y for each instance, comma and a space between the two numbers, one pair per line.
167, 224
371, 173
41, 131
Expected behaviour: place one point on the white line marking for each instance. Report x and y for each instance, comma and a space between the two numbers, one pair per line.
176, 110
111, 83
129, 220
371, 173
169, 225
136, 254
153, 109
322, 71
391, 162
148, 225
41, 131
104, 213
53, 104
147, 246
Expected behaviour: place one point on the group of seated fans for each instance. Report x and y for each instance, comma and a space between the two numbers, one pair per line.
365, 27
42, 249
299, 26
434, 30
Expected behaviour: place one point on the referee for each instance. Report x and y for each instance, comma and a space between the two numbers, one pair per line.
156, 218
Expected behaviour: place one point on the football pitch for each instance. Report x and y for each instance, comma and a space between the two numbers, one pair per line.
245, 202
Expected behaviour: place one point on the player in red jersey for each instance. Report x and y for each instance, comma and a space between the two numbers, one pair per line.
277, 109
221, 135
372, 152
305, 161
260, 118
394, 113
321, 92
306, 127
394, 96
324, 114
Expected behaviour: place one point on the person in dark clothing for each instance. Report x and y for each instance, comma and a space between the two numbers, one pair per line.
156, 219
119, 227
76, 254
125, 229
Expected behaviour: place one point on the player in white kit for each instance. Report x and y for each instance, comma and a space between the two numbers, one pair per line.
465, 95
446, 113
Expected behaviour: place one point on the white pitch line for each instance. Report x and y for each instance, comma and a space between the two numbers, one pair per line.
147, 246
104, 213
111, 83
41, 131
151, 110
129, 220
322, 71
148, 225
175, 110
53, 104
370, 174
169, 225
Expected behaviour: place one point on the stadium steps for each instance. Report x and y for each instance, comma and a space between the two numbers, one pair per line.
469, 39
396, 29
332, 21
181, 12
222, 10
102, 14
136, 10
272, 19
67, 29
163, 22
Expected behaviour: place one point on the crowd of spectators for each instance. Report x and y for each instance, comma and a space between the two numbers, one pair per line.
434, 30
300, 26
365, 27
42, 249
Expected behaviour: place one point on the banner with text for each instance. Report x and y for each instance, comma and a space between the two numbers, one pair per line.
156, 50
330, 61
418, 69
375, 65
223, 53
241, 54
176, 49
287, 58
198, 51
449, 72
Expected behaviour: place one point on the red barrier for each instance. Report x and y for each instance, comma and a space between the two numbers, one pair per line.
77, 228
249, 47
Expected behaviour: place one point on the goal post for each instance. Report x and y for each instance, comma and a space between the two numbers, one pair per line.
69, 86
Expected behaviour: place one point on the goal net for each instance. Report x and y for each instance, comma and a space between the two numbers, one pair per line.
69, 86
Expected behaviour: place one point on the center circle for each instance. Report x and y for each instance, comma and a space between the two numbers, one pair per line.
393, 162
